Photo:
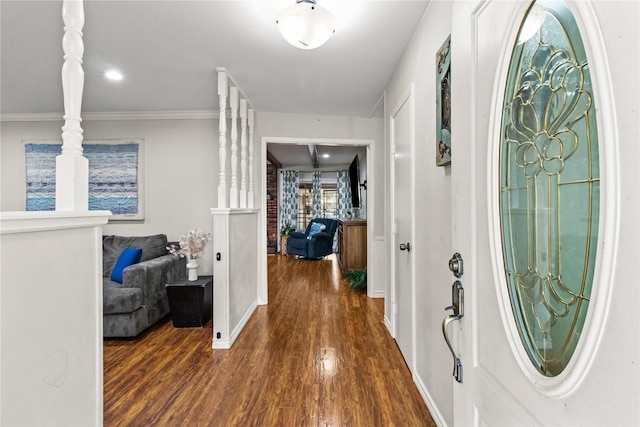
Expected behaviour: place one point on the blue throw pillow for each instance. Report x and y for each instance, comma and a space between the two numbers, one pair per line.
316, 227
128, 257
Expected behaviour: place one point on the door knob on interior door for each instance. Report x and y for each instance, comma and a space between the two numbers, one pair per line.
405, 247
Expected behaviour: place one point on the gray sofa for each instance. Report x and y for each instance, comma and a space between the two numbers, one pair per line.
141, 300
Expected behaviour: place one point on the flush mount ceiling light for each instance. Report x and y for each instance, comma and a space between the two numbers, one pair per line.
306, 25
113, 75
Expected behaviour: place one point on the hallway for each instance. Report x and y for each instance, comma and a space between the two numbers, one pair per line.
316, 355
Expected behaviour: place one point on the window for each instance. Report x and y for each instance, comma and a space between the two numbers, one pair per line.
328, 206
549, 186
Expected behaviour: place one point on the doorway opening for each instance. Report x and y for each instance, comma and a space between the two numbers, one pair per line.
367, 144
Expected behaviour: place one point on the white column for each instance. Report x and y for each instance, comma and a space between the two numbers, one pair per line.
243, 153
222, 97
72, 168
251, 119
233, 104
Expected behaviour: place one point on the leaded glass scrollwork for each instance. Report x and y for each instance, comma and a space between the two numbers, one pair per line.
549, 185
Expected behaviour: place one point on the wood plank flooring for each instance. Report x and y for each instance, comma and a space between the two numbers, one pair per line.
317, 355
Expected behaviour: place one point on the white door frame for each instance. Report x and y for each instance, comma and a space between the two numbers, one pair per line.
406, 97
263, 284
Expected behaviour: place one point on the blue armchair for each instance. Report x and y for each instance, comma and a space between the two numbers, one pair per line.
313, 245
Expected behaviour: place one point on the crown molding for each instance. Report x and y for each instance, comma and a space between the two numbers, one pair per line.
114, 115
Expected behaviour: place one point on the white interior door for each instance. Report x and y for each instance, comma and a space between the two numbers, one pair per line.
402, 159
500, 384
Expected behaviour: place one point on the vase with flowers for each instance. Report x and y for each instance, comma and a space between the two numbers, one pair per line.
190, 246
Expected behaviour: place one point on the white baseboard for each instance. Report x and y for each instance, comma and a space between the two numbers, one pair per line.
378, 294
221, 344
387, 323
226, 344
431, 406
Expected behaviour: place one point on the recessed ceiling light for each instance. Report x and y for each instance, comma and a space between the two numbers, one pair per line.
113, 75
325, 156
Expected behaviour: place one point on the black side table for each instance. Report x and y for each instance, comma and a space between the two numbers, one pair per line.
191, 302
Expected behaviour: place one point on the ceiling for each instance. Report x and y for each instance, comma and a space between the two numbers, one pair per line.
168, 51
299, 156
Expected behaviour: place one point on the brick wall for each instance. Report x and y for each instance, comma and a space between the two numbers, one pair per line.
272, 209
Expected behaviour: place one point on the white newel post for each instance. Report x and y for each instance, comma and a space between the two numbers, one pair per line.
233, 105
251, 119
222, 96
72, 168
243, 153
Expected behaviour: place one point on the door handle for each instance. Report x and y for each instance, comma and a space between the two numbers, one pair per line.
457, 299
457, 305
405, 247
457, 363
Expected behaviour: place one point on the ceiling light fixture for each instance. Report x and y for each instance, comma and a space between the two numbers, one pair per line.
113, 75
306, 25
325, 156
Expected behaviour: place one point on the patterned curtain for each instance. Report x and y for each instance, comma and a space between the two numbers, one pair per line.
344, 194
317, 194
289, 198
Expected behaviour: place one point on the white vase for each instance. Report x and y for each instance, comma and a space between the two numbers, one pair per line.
192, 267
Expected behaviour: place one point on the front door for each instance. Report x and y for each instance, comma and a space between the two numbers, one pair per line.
401, 131
546, 212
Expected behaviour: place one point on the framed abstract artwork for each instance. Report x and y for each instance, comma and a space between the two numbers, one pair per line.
443, 104
116, 176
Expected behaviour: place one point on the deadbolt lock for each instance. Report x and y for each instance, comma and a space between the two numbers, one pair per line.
456, 265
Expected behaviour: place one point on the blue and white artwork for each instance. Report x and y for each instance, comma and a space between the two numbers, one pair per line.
443, 104
114, 177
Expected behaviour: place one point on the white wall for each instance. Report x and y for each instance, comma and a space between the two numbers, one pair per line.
181, 170
235, 293
51, 318
432, 247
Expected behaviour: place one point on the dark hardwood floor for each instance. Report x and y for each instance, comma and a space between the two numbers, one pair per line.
317, 355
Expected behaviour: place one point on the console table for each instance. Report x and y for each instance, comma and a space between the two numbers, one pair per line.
191, 302
352, 244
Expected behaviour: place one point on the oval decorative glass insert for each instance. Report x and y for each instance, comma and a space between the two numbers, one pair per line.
549, 185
